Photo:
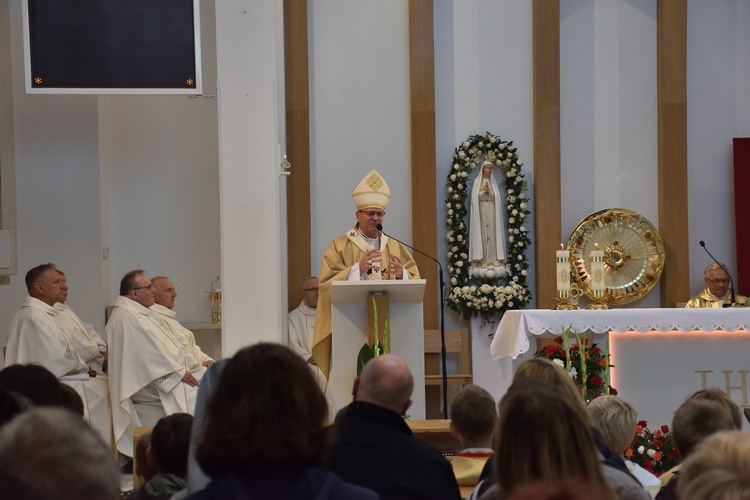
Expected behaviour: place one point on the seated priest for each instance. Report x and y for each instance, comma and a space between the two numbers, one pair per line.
44, 332
717, 292
362, 253
148, 371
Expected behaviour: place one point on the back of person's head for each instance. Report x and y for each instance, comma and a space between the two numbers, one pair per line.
141, 463
170, 440
34, 382
267, 411
718, 468
615, 419
724, 400
473, 414
569, 489
695, 420
72, 400
385, 381
538, 432
546, 371
10, 406
51, 453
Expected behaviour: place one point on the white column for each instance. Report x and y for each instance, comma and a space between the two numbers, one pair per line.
253, 246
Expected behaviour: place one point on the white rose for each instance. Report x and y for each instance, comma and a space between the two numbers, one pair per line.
509, 174
455, 166
501, 146
454, 281
511, 239
467, 144
519, 163
465, 290
459, 186
523, 229
473, 288
524, 272
447, 205
459, 264
641, 449
514, 212
464, 256
511, 220
450, 189
450, 211
559, 362
453, 177
491, 304
523, 206
449, 254
510, 191
573, 372
510, 303
464, 174
460, 238
519, 178
651, 453
485, 288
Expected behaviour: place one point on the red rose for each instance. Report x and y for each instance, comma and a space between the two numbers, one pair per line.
665, 428
596, 350
550, 350
558, 339
574, 347
612, 391
643, 423
597, 380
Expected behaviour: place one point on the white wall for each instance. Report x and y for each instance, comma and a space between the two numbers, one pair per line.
359, 112
718, 96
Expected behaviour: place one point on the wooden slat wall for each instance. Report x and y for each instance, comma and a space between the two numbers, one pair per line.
547, 199
672, 125
298, 148
423, 176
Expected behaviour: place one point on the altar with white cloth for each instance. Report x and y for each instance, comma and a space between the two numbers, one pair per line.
660, 356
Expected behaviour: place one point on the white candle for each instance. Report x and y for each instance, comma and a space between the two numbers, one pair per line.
563, 270
597, 269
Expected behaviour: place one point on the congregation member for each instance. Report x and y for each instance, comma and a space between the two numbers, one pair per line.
473, 416
375, 448
544, 437
167, 455
716, 293
302, 327
51, 453
616, 419
694, 421
164, 297
149, 373
719, 468
265, 433
363, 253
44, 332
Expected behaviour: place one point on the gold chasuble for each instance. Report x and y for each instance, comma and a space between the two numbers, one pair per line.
344, 252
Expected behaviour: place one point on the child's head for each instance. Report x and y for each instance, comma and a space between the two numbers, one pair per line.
473, 416
143, 467
170, 441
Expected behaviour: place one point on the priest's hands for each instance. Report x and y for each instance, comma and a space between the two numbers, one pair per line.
365, 263
190, 380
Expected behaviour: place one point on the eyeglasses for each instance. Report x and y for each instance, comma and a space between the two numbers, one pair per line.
372, 214
141, 288
311, 289
724, 281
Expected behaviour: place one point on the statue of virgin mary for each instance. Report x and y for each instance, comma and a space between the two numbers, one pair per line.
486, 226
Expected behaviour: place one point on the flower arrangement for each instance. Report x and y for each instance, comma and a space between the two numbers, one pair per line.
654, 451
487, 295
591, 376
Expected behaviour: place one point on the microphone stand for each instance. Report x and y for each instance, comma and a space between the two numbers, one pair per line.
444, 411
731, 281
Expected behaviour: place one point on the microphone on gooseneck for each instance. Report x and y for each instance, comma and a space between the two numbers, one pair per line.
731, 282
444, 412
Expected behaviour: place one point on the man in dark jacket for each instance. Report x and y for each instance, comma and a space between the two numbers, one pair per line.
375, 448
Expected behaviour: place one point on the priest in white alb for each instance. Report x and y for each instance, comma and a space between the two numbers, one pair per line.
302, 327
165, 295
42, 332
148, 371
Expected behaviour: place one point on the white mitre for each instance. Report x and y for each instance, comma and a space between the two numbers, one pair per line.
371, 192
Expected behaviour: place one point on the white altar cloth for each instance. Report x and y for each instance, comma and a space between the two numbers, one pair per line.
513, 332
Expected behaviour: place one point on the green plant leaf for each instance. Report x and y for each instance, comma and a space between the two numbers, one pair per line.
365, 354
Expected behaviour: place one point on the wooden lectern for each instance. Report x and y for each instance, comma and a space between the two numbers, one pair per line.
349, 301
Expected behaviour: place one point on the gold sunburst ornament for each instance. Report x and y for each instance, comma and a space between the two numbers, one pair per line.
633, 254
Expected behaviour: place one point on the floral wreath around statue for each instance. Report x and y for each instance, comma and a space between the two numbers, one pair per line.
487, 296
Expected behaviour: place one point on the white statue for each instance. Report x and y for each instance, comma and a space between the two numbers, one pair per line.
486, 227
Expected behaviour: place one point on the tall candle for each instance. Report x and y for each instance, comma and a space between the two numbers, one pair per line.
597, 269
563, 270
